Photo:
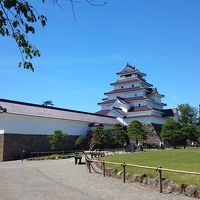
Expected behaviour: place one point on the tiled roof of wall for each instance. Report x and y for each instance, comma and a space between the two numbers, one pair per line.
29, 109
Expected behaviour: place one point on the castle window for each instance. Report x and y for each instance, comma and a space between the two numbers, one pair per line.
122, 87
139, 105
135, 95
132, 85
128, 76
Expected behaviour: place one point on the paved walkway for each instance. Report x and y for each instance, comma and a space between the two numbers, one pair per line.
62, 180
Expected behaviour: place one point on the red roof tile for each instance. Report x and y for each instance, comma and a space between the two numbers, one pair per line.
140, 108
125, 90
102, 112
127, 100
135, 80
120, 111
130, 70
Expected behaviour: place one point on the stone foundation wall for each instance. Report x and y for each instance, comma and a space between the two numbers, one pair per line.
153, 134
14, 144
1, 146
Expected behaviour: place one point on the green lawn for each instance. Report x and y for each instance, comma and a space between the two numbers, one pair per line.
180, 159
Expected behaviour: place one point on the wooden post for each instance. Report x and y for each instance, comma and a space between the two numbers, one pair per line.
124, 172
160, 178
87, 163
104, 169
89, 166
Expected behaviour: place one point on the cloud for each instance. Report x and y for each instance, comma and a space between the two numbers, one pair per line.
175, 98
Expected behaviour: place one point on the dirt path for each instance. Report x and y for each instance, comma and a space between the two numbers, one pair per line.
62, 180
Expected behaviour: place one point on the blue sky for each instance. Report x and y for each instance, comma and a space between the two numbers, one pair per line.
80, 59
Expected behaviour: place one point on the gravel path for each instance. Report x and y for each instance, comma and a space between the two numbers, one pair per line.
62, 180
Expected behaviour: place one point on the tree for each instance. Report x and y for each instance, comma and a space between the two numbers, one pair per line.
48, 103
108, 139
187, 114
136, 131
119, 134
82, 142
58, 140
198, 131
190, 132
171, 132
18, 19
97, 137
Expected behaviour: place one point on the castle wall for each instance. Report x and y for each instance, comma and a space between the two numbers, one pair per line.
127, 95
145, 120
22, 124
127, 85
14, 144
29, 133
1, 146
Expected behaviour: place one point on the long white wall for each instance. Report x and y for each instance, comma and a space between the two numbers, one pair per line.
20, 124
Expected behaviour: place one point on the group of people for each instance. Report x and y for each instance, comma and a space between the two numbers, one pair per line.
162, 145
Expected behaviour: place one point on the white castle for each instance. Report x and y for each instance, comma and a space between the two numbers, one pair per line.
133, 98
26, 126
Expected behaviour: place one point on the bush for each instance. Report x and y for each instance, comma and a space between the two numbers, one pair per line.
82, 142
58, 141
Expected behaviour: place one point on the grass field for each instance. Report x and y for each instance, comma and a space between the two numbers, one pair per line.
180, 159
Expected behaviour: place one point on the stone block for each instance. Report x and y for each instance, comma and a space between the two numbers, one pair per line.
170, 186
191, 190
119, 175
145, 180
153, 182
113, 173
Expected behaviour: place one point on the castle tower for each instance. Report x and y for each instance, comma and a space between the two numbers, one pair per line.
133, 98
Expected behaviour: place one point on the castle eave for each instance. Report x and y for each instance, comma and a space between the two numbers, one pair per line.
124, 90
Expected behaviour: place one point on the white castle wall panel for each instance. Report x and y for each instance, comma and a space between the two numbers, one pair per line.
20, 124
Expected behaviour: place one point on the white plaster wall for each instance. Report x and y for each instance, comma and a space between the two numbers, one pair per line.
139, 113
145, 120
137, 102
132, 76
127, 85
19, 124
126, 95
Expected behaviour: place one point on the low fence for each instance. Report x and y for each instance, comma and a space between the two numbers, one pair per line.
48, 153
124, 165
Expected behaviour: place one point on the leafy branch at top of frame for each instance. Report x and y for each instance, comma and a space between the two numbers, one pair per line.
17, 18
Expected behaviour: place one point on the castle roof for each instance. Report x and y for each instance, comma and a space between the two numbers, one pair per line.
127, 100
140, 108
102, 112
125, 90
153, 91
119, 110
169, 112
135, 80
130, 70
